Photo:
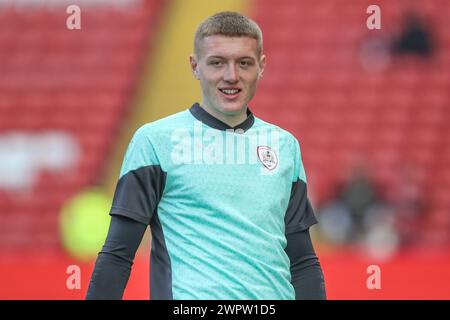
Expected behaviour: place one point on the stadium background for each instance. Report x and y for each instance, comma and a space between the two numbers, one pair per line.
71, 99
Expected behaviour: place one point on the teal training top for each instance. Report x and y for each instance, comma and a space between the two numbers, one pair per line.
219, 201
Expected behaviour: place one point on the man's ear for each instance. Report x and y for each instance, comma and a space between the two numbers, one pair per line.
194, 66
262, 66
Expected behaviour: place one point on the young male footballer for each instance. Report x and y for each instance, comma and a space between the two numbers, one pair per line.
224, 192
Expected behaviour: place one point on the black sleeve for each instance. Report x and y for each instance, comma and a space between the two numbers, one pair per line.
306, 272
138, 193
299, 214
113, 266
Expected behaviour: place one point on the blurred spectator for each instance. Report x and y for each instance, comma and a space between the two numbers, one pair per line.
415, 37
358, 194
406, 196
380, 238
345, 219
377, 49
336, 223
359, 214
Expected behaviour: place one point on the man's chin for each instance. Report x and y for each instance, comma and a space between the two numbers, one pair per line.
232, 108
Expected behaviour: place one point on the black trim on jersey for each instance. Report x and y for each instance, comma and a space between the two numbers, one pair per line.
202, 115
160, 265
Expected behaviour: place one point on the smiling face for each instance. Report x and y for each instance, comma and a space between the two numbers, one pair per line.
229, 69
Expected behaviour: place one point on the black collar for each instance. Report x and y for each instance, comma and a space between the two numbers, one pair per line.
202, 115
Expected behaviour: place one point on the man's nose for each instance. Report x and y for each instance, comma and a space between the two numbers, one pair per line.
231, 74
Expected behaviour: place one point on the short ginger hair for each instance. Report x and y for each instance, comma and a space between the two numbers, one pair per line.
229, 24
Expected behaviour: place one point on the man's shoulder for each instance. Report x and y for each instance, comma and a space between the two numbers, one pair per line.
284, 134
164, 125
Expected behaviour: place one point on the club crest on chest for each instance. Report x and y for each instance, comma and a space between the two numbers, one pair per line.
267, 156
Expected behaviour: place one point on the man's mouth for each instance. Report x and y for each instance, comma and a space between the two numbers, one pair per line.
230, 91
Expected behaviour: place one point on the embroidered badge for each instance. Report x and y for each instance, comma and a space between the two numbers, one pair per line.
267, 156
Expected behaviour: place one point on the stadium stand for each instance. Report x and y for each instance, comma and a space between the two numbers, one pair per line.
79, 82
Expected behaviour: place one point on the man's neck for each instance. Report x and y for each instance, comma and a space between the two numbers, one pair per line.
231, 120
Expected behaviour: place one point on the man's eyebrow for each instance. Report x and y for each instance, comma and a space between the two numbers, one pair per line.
216, 57
223, 58
247, 57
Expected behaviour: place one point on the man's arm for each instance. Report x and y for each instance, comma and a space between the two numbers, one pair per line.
113, 265
138, 192
306, 272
